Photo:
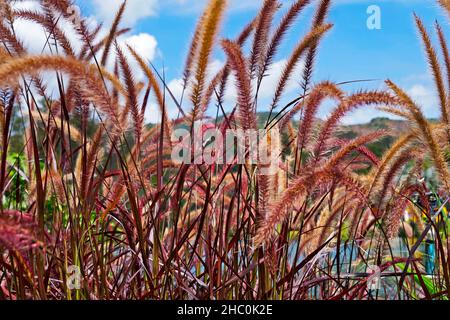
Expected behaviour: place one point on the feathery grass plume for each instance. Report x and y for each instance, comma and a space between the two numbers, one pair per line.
349, 104
393, 170
112, 33
323, 174
150, 75
440, 132
132, 100
267, 189
93, 88
86, 46
47, 20
435, 68
213, 18
393, 218
94, 152
57, 185
398, 147
369, 155
427, 134
15, 67
221, 77
4, 55
81, 25
262, 31
238, 64
294, 59
156, 89
193, 50
446, 5
279, 212
14, 47
353, 184
325, 226
319, 18
6, 9
264, 185
396, 112
329, 221
7, 100
89, 51
318, 94
246, 32
59, 5
353, 145
10, 41
116, 218
280, 32
445, 54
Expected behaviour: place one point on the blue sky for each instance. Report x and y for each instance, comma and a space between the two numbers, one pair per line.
350, 51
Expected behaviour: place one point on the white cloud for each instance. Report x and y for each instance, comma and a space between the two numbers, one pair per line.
105, 10
426, 98
34, 44
422, 95
34, 38
144, 44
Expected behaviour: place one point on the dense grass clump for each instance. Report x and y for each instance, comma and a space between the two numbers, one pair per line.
94, 206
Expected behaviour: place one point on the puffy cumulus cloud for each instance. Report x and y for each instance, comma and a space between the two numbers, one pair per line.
136, 10
32, 35
144, 44
34, 38
35, 43
426, 98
